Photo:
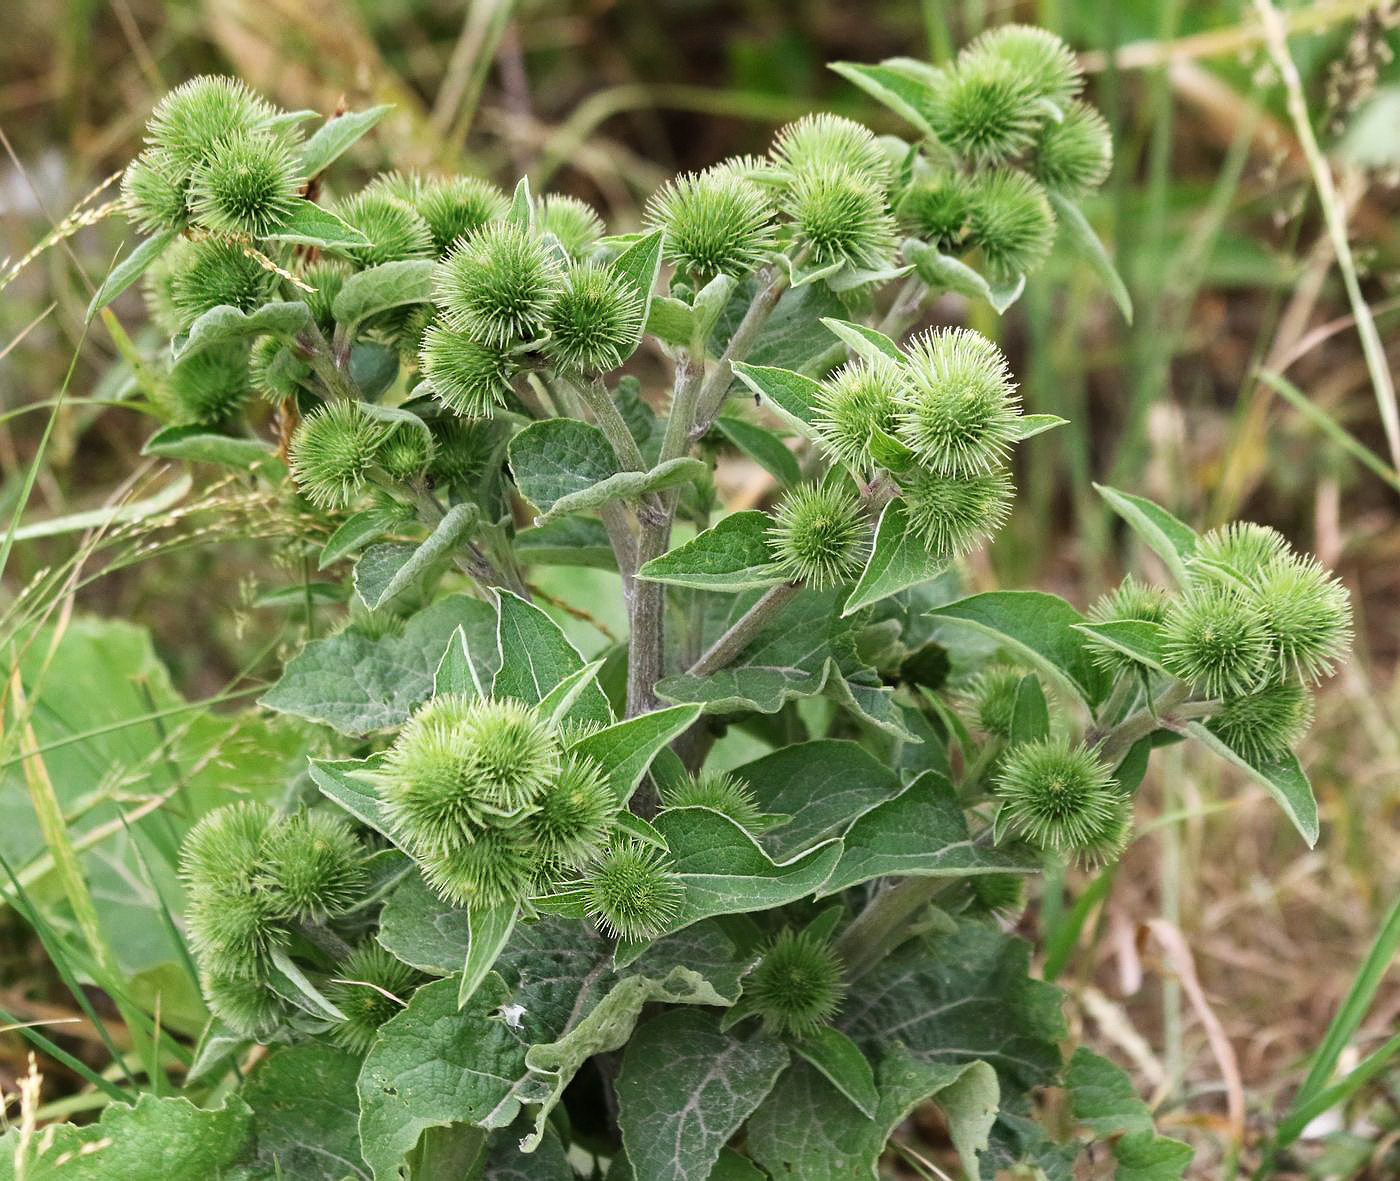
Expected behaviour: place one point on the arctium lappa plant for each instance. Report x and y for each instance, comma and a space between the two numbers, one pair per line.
730, 894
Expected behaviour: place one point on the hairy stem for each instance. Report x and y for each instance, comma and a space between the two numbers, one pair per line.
773, 281
744, 629
311, 343
610, 421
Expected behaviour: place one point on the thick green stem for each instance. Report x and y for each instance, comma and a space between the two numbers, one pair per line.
744, 629
311, 343
773, 281
610, 421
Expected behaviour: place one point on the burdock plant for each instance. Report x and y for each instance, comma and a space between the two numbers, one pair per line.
653, 831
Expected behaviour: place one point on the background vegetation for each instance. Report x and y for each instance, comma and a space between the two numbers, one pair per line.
1213, 961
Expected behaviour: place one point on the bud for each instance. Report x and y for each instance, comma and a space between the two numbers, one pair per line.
405, 452
275, 371
632, 893
1263, 724
1073, 156
1012, 222
393, 227
594, 321
209, 386
575, 224
841, 215
852, 404
327, 276
937, 209
215, 273
1215, 638
1063, 799
314, 865
197, 115
716, 222
817, 143
1036, 56
469, 378
1307, 616
234, 926
154, 187
369, 986
798, 985
990, 697
463, 448
1239, 548
248, 184
574, 814
245, 1003
983, 111
497, 285
999, 893
225, 845
719, 791
457, 206
819, 535
959, 414
955, 514
1131, 600
333, 450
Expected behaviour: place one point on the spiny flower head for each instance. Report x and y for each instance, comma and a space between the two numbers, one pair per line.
333, 450
720, 791
959, 414
822, 141
209, 386
632, 893
1263, 724
393, 227
326, 276
1130, 599
1038, 57
469, 378
574, 814
991, 698
797, 987
853, 403
225, 845
461, 765
1011, 221
1240, 548
594, 321
999, 893
1215, 638
1073, 156
983, 111
215, 273
154, 188
245, 1002
234, 926
457, 206
841, 215
937, 208
1063, 798
248, 184
819, 535
195, 116
405, 452
274, 370
574, 223
369, 986
315, 865
954, 514
500, 864
462, 449
717, 223
1307, 616
497, 285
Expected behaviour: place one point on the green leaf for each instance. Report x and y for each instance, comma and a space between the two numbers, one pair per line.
449, 533
806, 1130
506, 1162
1145, 1157
685, 1088
306, 1114
1139, 639
725, 871
843, 1065
823, 785
1283, 778
730, 556
315, 225
353, 533
389, 285
422, 930
536, 656
1172, 540
358, 684
1037, 424
487, 933
864, 342
762, 446
227, 325
557, 705
906, 96
379, 566
671, 320
344, 781
898, 560
522, 206
466, 669
640, 264
131, 268
434, 1065
336, 135
922, 832
151, 1137
1082, 239
198, 444
793, 336
567, 541
1039, 628
625, 749
791, 394
1030, 715
1101, 1096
